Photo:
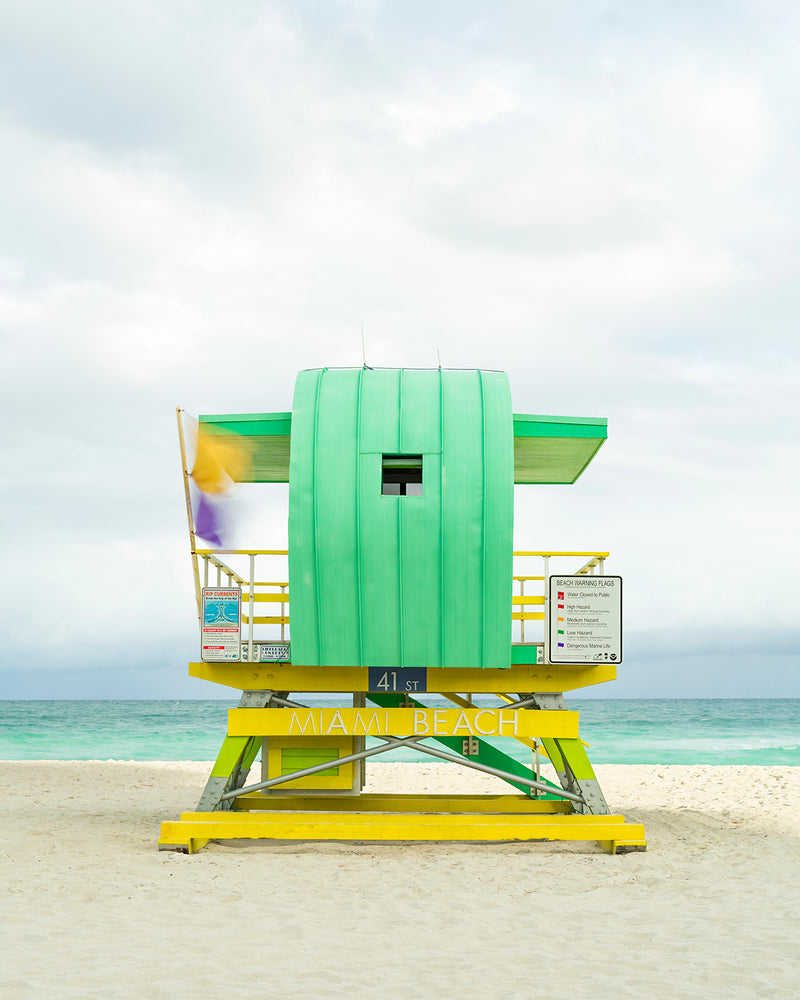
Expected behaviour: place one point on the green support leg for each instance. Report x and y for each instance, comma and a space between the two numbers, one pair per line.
570, 760
230, 770
234, 759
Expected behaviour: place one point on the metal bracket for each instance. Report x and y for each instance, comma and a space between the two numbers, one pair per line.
211, 798
255, 699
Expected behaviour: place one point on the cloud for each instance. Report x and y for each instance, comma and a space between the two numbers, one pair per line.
196, 203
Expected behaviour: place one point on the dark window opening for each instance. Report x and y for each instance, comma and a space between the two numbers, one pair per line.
402, 476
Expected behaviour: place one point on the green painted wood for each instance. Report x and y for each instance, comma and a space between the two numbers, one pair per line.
416, 581
552, 750
252, 751
574, 753
335, 472
497, 518
532, 425
303, 568
298, 758
419, 581
232, 752
248, 424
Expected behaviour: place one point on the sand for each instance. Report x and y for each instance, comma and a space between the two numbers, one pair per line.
92, 910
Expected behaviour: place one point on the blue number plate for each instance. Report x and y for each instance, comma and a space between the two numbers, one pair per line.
406, 681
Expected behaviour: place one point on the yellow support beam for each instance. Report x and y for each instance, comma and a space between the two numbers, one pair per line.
269, 552
285, 676
402, 802
596, 555
181, 842
465, 722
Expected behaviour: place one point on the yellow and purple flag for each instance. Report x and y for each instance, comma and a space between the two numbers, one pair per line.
220, 461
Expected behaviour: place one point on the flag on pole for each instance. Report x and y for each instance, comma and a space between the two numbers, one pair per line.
208, 522
220, 461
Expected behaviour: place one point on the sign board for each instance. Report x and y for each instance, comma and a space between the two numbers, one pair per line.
585, 619
268, 652
466, 722
406, 679
221, 623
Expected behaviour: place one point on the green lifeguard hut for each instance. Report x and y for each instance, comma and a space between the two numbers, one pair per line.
401, 507
400, 593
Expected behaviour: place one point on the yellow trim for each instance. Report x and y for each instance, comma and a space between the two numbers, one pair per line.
265, 552
596, 555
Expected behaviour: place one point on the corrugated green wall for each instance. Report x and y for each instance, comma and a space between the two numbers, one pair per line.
401, 581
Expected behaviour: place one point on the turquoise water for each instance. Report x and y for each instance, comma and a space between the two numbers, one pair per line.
630, 731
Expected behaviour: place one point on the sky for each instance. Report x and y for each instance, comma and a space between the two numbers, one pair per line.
600, 198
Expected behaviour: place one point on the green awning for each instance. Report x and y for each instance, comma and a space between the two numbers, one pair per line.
555, 449
546, 449
267, 436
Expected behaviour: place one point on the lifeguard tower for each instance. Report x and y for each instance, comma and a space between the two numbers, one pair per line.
403, 595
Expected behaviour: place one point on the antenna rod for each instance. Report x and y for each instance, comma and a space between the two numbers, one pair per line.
363, 346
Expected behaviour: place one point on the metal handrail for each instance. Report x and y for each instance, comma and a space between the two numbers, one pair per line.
596, 561
276, 591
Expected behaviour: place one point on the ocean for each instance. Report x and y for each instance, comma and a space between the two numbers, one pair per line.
630, 731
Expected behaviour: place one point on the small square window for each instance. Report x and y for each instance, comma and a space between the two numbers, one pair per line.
401, 476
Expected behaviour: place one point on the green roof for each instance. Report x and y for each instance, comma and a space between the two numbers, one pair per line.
547, 449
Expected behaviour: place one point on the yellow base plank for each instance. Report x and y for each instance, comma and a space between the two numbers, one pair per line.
189, 844
625, 846
323, 825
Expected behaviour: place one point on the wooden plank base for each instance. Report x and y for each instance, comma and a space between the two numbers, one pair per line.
480, 818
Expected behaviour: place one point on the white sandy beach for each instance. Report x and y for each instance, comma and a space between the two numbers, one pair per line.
91, 909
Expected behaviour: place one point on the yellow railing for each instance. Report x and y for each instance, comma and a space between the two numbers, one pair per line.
521, 602
275, 593
527, 602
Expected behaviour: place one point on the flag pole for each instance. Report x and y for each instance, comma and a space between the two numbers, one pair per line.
189, 513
